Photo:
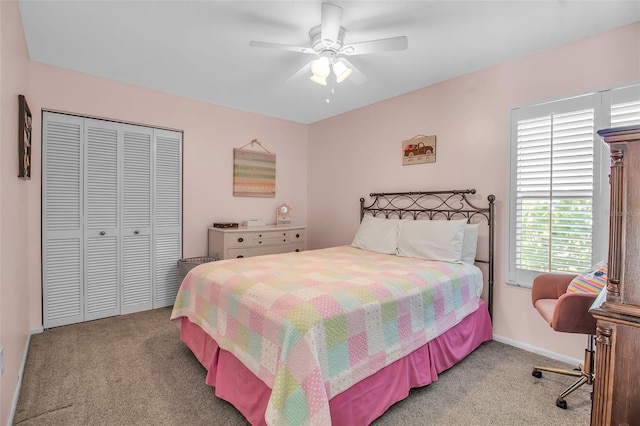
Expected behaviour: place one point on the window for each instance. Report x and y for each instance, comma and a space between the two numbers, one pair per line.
558, 182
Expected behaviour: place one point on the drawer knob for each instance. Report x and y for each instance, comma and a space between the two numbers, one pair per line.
259, 242
260, 235
284, 239
136, 232
239, 256
297, 250
297, 235
240, 239
102, 232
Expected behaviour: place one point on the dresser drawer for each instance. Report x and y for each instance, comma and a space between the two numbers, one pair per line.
246, 242
277, 237
238, 239
233, 253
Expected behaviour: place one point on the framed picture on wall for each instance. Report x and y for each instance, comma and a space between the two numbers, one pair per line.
254, 173
420, 149
24, 138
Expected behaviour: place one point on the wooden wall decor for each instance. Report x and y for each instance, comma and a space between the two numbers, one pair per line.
420, 149
254, 172
24, 138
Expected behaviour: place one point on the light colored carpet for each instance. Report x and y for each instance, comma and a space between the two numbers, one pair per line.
133, 370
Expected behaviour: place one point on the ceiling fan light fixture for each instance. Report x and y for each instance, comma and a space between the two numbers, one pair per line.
319, 80
341, 71
320, 67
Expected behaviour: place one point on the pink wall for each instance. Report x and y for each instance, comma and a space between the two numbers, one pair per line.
210, 134
15, 270
359, 152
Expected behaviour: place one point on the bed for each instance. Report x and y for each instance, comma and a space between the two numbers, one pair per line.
338, 335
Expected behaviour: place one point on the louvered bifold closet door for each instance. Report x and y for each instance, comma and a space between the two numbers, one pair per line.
102, 233
137, 268
111, 218
62, 229
167, 215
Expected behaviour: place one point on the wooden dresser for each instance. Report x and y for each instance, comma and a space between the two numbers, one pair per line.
616, 392
228, 243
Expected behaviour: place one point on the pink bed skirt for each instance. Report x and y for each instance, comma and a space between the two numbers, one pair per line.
362, 403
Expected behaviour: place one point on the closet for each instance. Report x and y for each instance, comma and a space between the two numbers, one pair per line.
111, 218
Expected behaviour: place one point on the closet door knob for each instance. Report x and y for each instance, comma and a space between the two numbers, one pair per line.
102, 232
136, 232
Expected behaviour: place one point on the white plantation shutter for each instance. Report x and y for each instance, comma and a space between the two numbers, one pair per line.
558, 182
625, 114
625, 106
555, 173
554, 192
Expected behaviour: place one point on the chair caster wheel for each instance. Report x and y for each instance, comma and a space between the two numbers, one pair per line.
561, 403
536, 373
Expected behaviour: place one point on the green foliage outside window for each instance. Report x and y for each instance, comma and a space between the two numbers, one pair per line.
555, 235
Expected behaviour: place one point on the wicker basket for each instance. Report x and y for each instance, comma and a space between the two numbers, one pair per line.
187, 264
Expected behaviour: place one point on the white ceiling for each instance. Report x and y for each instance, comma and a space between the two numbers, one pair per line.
200, 49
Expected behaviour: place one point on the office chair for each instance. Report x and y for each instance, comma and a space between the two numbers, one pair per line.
566, 312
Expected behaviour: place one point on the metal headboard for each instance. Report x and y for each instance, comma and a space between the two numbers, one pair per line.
432, 205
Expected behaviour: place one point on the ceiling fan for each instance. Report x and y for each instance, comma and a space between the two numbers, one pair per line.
327, 42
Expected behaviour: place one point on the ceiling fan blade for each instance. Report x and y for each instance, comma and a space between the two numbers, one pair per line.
267, 45
302, 71
373, 46
330, 23
357, 77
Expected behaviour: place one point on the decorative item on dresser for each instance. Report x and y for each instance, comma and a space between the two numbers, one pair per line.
616, 396
243, 241
283, 214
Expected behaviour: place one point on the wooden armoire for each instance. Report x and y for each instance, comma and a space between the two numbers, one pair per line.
616, 392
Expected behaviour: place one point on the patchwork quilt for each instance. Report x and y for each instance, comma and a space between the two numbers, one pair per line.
312, 324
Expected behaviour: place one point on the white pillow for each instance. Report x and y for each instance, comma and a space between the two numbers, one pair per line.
378, 235
432, 239
470, 243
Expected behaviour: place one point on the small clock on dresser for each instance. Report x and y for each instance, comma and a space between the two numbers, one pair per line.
283, 214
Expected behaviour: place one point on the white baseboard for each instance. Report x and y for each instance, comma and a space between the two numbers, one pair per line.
16, 393
537, 350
